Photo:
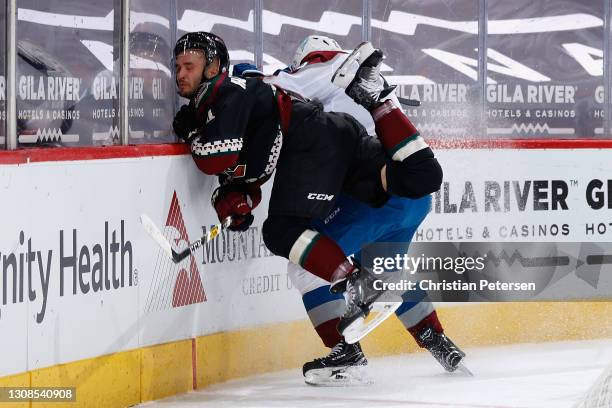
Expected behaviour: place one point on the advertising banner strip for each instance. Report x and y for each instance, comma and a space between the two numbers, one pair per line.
458, 143
90, 153
171, 149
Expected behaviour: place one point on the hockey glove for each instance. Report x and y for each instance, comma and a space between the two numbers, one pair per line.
236, 201
185, 124
246, 70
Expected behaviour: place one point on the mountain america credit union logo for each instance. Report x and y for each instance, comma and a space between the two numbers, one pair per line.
175, 285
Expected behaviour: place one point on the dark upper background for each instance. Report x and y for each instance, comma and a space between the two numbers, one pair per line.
430, 62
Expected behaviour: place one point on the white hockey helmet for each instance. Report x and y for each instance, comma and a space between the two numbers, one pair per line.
313, 43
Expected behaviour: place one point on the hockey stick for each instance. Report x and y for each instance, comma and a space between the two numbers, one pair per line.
177, 257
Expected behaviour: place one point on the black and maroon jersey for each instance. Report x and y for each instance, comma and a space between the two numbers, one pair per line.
240, 133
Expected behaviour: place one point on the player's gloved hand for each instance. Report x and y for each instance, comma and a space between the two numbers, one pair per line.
185, 124
246, 70
236, 201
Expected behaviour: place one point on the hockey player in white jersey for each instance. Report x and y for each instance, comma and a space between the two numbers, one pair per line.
317, 60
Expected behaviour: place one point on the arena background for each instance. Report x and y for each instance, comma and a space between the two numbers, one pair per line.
87, 299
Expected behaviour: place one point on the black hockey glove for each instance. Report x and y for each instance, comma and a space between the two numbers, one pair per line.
185, 124
236, 201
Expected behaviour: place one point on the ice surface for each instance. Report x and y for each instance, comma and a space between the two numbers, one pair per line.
546, 375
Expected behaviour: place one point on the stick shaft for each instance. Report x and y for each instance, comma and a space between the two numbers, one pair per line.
209, 236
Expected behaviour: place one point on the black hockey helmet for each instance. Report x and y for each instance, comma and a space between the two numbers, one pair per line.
212, 45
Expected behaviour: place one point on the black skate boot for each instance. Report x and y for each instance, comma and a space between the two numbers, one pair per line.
342, 366
360, 76
443, 349
361, 296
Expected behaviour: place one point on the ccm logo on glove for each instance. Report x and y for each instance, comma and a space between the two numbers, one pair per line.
320, 196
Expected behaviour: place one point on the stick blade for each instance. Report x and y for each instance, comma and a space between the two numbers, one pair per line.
150, 227
177, 257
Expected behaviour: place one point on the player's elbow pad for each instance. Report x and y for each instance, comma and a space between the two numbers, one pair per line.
215, 165
215, 157
414, 180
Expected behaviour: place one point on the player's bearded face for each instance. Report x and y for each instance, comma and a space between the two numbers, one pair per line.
189, 67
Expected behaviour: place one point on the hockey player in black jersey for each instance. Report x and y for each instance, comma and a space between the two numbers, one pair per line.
244, 130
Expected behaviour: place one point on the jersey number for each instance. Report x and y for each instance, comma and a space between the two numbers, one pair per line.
241, 82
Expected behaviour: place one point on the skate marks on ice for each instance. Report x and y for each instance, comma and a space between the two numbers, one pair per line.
547, 375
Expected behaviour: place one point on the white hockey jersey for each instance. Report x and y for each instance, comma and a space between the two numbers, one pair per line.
313, 81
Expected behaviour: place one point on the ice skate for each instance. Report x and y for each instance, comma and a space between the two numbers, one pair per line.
343, 366
360, 76
443, 350
361, 299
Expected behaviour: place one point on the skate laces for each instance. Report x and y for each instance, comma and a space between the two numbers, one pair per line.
335, 351
369, 83
442, 348
351, 294
338, 349
370, 75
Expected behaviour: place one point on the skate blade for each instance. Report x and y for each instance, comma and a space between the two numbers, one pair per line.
348, 69
330, 377
361, 327
463, 369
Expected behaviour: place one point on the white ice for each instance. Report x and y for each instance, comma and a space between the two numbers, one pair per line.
546, 375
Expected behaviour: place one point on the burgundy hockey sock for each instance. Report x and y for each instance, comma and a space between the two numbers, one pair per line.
319, 255
431, 320
397, 134
328, 332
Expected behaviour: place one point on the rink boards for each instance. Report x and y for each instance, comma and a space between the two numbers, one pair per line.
87, 298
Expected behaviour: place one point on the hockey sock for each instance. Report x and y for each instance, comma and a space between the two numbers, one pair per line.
328, 332
411, 313
323, 307
319, 255
398, 135
431, 320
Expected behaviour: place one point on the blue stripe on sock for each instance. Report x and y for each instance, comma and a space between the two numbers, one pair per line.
319, 296
411, 299
405, 306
